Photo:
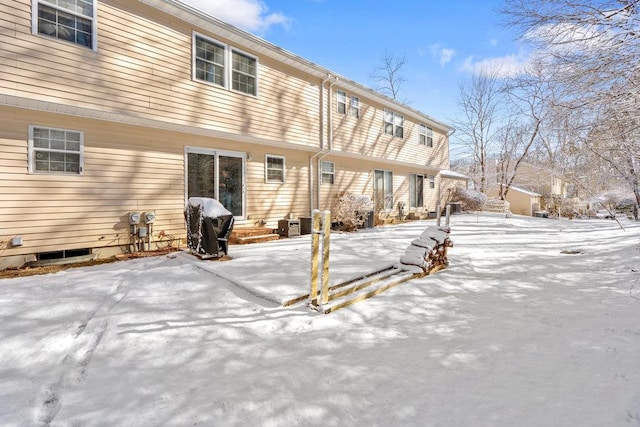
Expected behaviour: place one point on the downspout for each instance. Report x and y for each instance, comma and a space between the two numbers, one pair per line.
323, 150
329, 146
449, 134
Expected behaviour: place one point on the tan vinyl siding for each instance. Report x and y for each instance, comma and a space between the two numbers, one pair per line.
141, 73
356, 176
365, 136
54, 212
126, 168
272, 201
143, 67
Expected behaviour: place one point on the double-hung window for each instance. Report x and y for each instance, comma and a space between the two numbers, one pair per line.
355, 107
432, 181
416, 191
70, 20
56, 151
328, 170
244, 73
341, 102
393, 123
274, 169
209, 61
426, 136
221, 65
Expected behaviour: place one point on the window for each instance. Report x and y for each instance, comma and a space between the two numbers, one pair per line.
55, 151
426, 136
69, 20
416, 187
432, 181
341, 102
355, 107
328, 172
393, 123
211, 61
274, 168
244, 73
383, 189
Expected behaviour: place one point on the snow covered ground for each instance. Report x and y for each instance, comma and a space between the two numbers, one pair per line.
514, 332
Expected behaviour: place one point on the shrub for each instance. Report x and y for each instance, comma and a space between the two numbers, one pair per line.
350, 210
471, 200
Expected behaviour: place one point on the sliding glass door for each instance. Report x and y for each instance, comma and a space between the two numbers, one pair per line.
217, 174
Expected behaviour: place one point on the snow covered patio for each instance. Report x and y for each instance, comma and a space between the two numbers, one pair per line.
514, 332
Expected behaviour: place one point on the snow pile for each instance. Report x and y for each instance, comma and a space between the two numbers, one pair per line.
211, 208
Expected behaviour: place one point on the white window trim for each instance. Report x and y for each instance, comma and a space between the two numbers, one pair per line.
255, 58
217, 154
341, 94
322, 173
94, 23
193, 59
228, 64
31, 153
427, 132
392, 122
356, 107
431, 179
266, 169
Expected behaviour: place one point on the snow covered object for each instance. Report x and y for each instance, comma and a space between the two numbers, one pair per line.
427, 253
209, 225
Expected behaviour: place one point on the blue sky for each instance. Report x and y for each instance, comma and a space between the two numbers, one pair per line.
443, 42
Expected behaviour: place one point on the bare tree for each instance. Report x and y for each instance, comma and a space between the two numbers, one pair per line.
528, 95
480, 99
591, 50
388, 75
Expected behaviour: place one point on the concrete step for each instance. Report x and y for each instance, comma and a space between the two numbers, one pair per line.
242, 236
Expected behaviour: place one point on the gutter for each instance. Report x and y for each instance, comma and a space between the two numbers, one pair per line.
323, 151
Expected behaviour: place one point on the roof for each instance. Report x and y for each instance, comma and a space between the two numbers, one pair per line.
523, 191
453, 175
202, 20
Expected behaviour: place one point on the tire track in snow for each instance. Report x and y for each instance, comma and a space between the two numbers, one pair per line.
74, 365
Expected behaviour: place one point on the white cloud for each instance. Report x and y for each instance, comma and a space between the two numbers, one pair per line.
509, 65
493, 42
444, 55
250, 15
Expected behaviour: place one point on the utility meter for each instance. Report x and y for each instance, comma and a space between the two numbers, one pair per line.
149, 217
134, 218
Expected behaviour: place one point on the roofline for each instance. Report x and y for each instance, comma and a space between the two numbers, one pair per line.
192, 15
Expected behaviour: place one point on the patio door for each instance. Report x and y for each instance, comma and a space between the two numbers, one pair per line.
383, 189
219, 175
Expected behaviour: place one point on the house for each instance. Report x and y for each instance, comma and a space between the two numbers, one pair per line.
114, 107
521, 201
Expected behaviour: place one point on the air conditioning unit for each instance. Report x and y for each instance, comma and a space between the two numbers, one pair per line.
289, 227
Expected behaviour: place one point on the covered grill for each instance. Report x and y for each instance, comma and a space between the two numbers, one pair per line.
209, 225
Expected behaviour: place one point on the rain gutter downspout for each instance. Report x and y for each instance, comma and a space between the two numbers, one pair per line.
449, 134
323, 151
329, 146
